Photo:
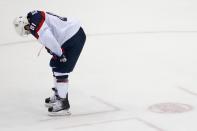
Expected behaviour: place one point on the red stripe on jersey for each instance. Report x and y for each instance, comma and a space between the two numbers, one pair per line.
40, 24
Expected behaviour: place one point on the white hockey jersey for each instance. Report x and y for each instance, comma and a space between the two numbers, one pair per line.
52, 30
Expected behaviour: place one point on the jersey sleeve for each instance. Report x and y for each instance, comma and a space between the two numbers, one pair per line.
41, 31
36, 20
48, 40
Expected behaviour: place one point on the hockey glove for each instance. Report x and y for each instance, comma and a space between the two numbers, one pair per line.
62, 58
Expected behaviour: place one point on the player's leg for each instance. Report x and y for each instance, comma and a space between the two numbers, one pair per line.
72, 49
61, 105
57, 91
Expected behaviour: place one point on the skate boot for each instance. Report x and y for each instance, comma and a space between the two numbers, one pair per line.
49, 102
60, 107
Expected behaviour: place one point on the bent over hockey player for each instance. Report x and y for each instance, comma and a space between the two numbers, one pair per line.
64, 39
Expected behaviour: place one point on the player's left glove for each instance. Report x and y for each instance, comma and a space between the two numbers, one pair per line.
62, 58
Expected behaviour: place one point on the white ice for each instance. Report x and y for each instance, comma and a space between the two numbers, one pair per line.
137, 54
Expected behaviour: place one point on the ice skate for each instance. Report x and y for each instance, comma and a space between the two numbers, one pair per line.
50, 101
60, 107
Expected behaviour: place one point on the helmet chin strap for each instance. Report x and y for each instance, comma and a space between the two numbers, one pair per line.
26, 30
26, 33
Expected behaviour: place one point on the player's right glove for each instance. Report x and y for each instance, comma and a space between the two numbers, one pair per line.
62, 58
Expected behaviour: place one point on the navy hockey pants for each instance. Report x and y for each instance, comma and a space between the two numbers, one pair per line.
71, 49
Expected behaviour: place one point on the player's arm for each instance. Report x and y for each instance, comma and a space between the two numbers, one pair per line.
41, 31
48, 40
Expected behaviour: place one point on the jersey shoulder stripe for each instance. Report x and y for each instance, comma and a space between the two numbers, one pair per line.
36, 20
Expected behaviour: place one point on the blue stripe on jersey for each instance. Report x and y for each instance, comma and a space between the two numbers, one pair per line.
36, 19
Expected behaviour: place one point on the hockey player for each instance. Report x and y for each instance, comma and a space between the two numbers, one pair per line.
64, 39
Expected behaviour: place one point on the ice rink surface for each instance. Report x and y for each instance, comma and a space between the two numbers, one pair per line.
137, 72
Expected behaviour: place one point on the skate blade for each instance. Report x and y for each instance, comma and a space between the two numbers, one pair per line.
60, 113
